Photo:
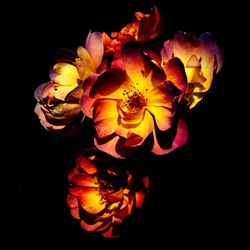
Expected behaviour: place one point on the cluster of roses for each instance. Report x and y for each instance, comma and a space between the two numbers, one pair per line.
135, 95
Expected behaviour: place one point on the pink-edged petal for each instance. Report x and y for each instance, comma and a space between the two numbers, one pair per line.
44, 90
209, 46
105, 117
85, 164
180, 139
91, 227
40, 111
84, 180
162, 115
110, 84
176, 74
133, 61
72, 201
87, 105
108, 146
139, 198
94, 45
114, 146
167, 51
75, 212
135, 135
186, 45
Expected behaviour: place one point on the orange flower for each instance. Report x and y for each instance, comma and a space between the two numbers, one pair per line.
201, 57
143, 28
128, 106
102, 195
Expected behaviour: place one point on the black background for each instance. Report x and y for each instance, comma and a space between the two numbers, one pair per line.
189, 202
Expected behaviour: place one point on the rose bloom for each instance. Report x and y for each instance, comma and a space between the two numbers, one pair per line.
129, 105
102, 195
202, 58
144, 28
58, 100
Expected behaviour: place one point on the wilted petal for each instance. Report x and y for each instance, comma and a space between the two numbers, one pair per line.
44, 90
94, 45
105, 117
39, 110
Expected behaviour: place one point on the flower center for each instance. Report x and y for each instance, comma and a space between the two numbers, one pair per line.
133, 100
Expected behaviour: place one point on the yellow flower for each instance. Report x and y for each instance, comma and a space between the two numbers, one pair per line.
202, 58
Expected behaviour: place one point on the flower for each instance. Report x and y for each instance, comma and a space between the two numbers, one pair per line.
129, 105
102, 195
202, 57
58, 100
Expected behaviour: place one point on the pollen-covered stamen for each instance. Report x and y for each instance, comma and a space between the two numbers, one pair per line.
134, 100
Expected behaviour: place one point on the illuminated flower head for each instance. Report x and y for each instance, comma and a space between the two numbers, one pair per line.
127, 106
58, 100
103, 194
202, 58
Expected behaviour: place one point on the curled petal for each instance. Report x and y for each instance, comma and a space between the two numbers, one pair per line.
167, 51
44, 90
91, 227
94, 45
84, 63
176, 74
180, 139
83, 163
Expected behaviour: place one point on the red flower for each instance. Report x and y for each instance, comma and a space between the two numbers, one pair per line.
101, 195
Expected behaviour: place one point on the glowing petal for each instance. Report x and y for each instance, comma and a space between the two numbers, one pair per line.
136, 135
85, 164
84, 63
72, 201
75, 212
105, 117
139, 198
133, 61
91, 227
180, 139
167, 51
162, 115
94, 45
91, 200
64, 69
84, 180
44, 90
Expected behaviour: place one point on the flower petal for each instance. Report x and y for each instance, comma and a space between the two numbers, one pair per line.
110, 84
85, 165
105, 117
162, 115
84, 63
94, 45
180, 139
135, 135
44, 90
139, 198
91, 227
91, 200
85, 180
87, 105
167, 51
176, 74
